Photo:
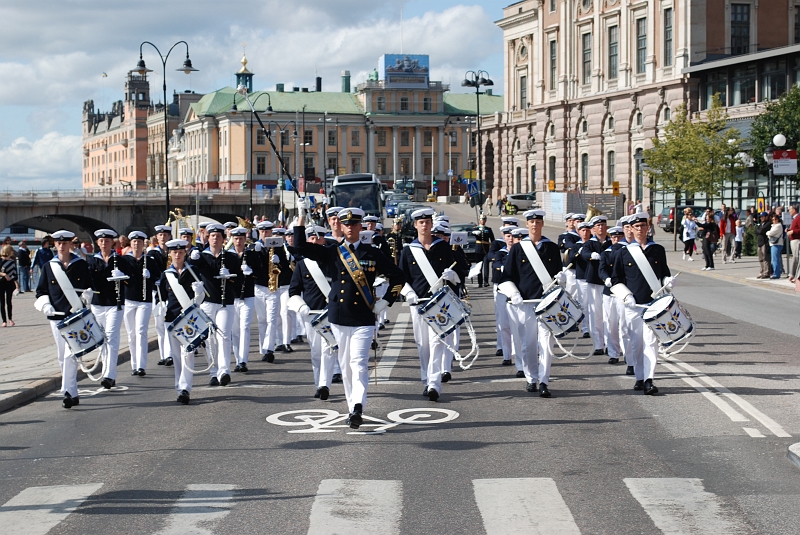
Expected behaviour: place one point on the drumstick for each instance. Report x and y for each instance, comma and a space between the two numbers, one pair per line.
665, 286
193, 274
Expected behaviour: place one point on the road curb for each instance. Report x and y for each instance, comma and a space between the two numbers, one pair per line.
42, 387
794, 454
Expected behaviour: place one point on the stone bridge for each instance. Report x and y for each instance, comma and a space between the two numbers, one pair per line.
83, 212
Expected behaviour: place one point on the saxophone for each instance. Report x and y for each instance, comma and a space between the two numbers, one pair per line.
274, 271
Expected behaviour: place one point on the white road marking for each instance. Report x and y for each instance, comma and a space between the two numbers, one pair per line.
199, 504
37, 510
755, 433
393, 346
721, 404
523, 506
683, 506
349, 506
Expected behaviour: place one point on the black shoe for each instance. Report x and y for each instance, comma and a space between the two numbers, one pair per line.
599, 352
281, 348
498, 353
446, 377
387, 322
507, 362
433, 395
243, 367
269, 356
629, 371
605, 351
296, 340
67, 401
288, 349
161, 362
142, 373
213, 382
225, 379
425, 392
169, 362
337, 378
374, 345
613, 360
316, 394
135, 373
76, 401
382, 327
237, 368
324, 392
530, 387
650, 388
587, 335
638, 385
107, 383
355, 419
183, 397
520, 374
543, 391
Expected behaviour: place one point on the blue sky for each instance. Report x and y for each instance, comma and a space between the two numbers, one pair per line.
53, 54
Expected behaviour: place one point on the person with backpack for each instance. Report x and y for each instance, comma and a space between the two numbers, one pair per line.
709, 230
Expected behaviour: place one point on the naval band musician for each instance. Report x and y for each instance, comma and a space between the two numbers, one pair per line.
145, 270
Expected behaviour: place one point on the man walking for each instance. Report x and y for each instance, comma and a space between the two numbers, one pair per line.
762, 241
24, 257
793, 233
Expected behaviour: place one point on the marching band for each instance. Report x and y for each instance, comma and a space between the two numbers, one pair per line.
335, 284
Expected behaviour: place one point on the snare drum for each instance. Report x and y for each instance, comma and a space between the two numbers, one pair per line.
191, 328
81, 332
559, 312
444, 312
668, 320
322, 325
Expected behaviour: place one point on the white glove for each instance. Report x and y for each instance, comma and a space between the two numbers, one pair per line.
275, 259
560, 278
607, 282
412, 298
516, 299
195, 255
258, 247
476, 232
629, 301
451, 276
15, 292
48, 309
669, 283
247, 270
87, 296
304, 310
380, 305
224, 273
117, 273
595, 256
199, 292
146, 273
302, 207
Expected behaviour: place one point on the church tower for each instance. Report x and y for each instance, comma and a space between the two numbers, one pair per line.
244, 77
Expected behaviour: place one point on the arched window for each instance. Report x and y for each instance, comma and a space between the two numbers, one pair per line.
612, 167
639, 119
667, 114
584, 171
551, 169
552, 130
610, 122
584, 126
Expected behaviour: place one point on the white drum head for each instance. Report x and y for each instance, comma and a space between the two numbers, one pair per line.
658, 306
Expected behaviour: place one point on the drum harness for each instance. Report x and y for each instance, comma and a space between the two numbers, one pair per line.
75, 302
186, 301
436, 283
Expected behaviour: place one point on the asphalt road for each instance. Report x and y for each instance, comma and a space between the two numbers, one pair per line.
707, 455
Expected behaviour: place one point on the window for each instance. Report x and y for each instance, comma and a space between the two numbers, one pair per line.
612, 167
427, 166
613, 52
355, 165
584, 171
639, 119
553, 64
552, 130
551, 169
668, 37
331, 138
474, 139
405, 138
381, 103
667, 114
716, 83
308, 164
454, 163
284, 137
523, 92
355, 138
427, 138
403, 103
382, 166
381, 138
587, 58
611, 123
584, 126
308, 137
796, 25
261, 165
333, 163
773, 80
744, 85
453, 135
405, 166
641, 45
740, 29
552, 5
427, 104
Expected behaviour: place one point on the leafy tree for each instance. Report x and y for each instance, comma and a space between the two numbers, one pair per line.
780, 116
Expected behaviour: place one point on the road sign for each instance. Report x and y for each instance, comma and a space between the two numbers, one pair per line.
761, 204
785, 162
470, 173
615, 188
472, 188
551, 185
435, 189
449, 172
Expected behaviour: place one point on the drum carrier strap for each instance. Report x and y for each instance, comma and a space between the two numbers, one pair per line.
178, 290
320, 280
66, 286
424, 264
357, 274
644, 267
536, 262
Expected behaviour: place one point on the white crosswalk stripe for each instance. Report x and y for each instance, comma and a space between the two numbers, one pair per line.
37, 510
356, 506
523, 506
199, 504
682, 506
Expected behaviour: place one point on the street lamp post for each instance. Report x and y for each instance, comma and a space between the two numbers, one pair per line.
778, 141
142, 69
477, 79
267, 112
281, 129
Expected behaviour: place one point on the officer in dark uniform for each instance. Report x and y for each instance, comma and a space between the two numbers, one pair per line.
395, 239
351, 304
484, 237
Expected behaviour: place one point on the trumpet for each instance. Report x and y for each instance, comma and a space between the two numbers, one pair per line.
591, 211
274, 272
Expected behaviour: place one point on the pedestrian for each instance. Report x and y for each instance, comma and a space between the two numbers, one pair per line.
793, 235
727, 229
9, 283
775, 236
738, 239
24, 260
762, 242
710, 234
689, 234
42, 256
638, 207
501, 205
76, 249
488, 206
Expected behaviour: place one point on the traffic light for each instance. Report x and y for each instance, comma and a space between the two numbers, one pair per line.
280, 183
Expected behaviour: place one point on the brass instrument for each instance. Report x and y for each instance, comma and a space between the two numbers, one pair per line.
177, 220
274, 272
292, 262
392, 247
591, 211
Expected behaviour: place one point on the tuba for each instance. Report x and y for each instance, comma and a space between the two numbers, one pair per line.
591, 211
274, 271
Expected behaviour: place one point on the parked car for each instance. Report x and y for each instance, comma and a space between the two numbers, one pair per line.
393, 200
666, 219
522, 201
470, 249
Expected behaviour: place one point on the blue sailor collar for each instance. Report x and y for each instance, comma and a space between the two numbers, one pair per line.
416, 242
72, 259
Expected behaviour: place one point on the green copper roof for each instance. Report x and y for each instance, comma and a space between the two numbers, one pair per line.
466, 104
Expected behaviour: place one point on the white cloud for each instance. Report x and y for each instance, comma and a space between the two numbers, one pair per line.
54, 160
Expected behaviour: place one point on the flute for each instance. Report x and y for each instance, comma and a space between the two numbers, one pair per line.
224, 280
117, 286
144, 279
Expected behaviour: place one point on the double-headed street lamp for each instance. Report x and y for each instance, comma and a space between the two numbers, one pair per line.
142, 69
777, 142
253, 139
477, 79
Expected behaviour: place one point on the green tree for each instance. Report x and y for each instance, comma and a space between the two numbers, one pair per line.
723, 145
780, 116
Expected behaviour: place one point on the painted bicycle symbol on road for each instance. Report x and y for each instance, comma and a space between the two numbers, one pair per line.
86, 392
328, 421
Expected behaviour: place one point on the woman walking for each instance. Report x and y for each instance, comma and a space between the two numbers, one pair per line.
775, 237
9, 283
689, 234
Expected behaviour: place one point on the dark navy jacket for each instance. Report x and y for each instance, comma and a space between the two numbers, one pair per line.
627, 272
575, 258
606, 267
105, 290
133, 286
246, 285
592, 266
303, 284
519, 270
166, 294
79, 275
440, 256
497, 259
207, 268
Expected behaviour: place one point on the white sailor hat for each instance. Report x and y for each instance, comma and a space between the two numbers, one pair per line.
137, 235
203, 224
379, 226
185, 230
585, 224
163, 228
578, 217
615, 231
319, 231
351, 216
177, 244
519, 232
458, 238
534, 214
625, 220
265, 225
63, 235
105, 233
422, 213
442, 218
279, 231
640, 217
507, 229
568, 216
215, 227
239, 231
440, 229
230, 224
370, 219
482, 216
333, 211
510, 221
596, 220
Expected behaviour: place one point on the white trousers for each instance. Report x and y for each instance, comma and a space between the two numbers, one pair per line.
67, 363
260, 304
546, 342
525, 336
644, 345
161, 334
137, 320
354, 344
513, 341
431, 352
380, 292
219, 344
612, 327
322, 356
580, 295
593, 305
501, 322
240, 334
272, 302
110, 320
287, 317
180, 360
